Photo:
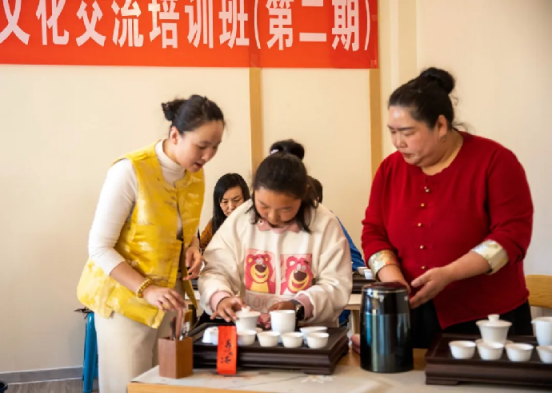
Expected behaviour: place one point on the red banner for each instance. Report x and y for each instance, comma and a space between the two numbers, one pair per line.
190, 33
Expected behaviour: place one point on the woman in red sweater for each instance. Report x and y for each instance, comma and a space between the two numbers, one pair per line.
450, 216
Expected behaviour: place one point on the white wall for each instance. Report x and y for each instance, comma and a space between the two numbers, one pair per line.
501, 54
328, 112
61, 128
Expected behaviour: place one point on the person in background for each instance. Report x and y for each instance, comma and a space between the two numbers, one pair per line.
279, 251
143, 248
231, 191
356, 257
450, 216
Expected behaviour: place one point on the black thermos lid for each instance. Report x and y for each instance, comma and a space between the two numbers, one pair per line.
385, 298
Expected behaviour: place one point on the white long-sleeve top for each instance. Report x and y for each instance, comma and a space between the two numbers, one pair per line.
115, 205
265, 265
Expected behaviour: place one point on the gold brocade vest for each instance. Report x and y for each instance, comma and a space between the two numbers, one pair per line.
148, 241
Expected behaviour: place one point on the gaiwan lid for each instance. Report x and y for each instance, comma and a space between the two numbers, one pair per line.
494, 321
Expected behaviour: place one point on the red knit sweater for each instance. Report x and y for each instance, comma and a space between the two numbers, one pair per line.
431, 221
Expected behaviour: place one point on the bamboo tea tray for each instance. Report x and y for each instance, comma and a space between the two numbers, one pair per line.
310, 361
443, 369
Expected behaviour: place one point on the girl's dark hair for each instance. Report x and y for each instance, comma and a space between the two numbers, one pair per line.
315, 183
427, 96
225, 183
188, 115
283, 171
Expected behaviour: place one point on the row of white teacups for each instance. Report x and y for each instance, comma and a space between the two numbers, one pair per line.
493, 342
282, 328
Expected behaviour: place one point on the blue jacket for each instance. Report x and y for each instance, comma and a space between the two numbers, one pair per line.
356, 257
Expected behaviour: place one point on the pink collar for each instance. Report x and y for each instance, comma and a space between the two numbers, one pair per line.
264, 226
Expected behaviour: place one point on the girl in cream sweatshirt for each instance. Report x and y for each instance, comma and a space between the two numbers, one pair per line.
280, 250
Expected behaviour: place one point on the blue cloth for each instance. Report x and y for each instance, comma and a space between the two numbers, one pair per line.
356, 257
357, 260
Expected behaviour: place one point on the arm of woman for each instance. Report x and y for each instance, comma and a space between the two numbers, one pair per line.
114, 207
221, 277
378, 251
511, 223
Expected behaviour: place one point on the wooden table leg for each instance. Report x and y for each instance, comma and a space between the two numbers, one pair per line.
355, 321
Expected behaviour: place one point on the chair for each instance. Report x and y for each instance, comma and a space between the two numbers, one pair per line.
540, 290
90, 362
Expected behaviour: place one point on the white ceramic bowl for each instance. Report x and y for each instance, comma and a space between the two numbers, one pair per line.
207, 335
543, 330
479, 341
292, 339
368, 274
268, 338
309, 329
545, 354
317, 340
494, 330
462, 349
247, 320
246, 338
361, 270
214, 336
490, 351
519, 352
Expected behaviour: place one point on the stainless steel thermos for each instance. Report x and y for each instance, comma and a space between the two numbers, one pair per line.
385, 338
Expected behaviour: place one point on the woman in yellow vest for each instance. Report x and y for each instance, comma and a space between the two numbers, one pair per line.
143, 248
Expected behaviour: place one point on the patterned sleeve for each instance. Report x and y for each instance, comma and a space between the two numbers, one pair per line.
380, 259
206, 236
494, 253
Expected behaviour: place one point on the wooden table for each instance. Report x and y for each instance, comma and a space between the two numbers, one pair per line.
348, 377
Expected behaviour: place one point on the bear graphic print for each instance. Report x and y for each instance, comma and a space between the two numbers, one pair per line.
260, 272
296, 273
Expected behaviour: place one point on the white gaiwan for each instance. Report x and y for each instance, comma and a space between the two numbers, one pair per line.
494, 330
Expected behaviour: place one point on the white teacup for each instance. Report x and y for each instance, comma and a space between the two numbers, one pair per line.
543, 330
361, 270
282, 321
519, 352
214, 336
292, 339
307, 330
545, 354
247, 320
247, 337
268, 338
317, 340
462, 349
490, 351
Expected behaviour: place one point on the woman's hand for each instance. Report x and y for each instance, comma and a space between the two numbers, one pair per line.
193, 262
431, 283
227, 308
164, 298
392, 273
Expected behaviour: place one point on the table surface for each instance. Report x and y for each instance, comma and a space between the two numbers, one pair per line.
348, 377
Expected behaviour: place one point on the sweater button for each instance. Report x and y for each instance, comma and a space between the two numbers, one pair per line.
422, 205
427, 189
422, 247
420, 224
423, 267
